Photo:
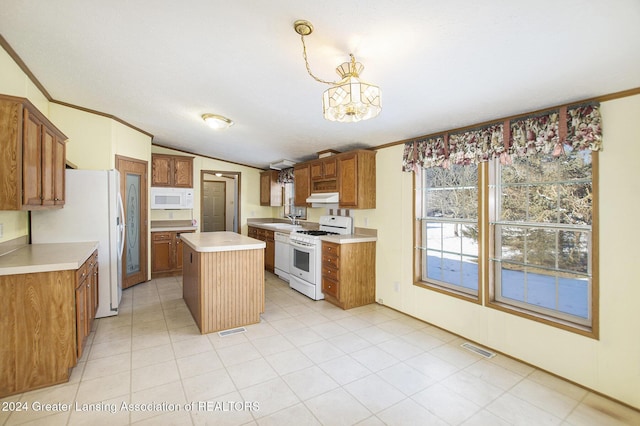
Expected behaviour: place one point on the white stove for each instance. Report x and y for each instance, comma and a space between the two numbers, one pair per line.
305, 271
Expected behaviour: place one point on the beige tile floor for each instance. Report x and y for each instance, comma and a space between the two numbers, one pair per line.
305, 363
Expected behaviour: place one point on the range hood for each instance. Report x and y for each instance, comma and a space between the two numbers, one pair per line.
323, 198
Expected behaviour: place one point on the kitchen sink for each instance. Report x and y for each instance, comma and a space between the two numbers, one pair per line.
282, 225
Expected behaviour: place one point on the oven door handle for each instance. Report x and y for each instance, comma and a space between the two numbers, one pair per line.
303, 246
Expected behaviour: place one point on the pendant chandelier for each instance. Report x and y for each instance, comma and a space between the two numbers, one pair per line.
350, 99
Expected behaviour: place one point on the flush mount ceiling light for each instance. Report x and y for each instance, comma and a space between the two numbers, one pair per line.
216, 121
350, 99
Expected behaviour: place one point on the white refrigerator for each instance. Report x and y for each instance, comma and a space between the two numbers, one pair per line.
92, 211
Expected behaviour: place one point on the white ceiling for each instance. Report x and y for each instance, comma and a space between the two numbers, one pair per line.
160, 64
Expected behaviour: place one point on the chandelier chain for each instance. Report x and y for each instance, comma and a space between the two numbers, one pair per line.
306, 62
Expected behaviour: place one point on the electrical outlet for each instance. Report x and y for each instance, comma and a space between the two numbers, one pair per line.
396, 286
1, 231
366, 221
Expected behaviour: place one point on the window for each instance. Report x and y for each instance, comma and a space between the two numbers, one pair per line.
541, 235
506, 215
448, 229
290, 209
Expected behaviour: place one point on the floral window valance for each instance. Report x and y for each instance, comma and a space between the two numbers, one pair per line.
584, 127
578, 127
285, 176
475, 146
534, 135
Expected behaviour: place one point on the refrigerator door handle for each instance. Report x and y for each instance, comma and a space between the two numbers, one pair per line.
121, 226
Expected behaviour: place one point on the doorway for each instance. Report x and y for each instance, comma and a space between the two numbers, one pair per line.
220, 209
133, 187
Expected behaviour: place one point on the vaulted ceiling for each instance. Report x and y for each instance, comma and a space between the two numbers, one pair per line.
160, 65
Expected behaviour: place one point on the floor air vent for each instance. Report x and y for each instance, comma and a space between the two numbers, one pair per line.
232, 331
480, 351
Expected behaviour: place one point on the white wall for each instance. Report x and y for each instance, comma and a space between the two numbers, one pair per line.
610, 365
249, 187
15, 83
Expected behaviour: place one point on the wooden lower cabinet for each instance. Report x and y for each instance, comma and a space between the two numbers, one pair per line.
166, 253
270, 251
86, 300
349, 273
44, 320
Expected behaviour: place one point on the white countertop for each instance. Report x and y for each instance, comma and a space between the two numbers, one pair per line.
221, 241
34, 258
275, 226
348, 239
172, 225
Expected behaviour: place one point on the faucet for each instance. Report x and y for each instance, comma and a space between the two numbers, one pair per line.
293, 218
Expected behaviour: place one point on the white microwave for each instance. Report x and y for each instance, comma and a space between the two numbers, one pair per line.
171, 198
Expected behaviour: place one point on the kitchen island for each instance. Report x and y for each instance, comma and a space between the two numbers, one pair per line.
223, 279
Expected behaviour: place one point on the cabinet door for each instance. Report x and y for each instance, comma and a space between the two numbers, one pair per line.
265, 189
48, 167
161, 252
93, 286
252, 232
58, 172
316, 170
302, 183
191, 283
270, 189
330, 168
81, 316
161, 170
179, 247
270, 252
183, 172
31, 160
348, 182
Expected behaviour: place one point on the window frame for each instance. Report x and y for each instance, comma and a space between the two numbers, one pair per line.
486, 274
432, 284
540, 315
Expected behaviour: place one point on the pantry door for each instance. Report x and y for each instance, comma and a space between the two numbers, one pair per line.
133, 189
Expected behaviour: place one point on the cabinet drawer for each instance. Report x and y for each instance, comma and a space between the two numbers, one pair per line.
161, 236
82, 272
331, 273
330, 287
93, 260
331, 249
330, 261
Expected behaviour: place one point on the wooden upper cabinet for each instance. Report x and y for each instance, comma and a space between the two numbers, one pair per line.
270, 190
171, 170
301, 183
59, 165
315, 170
351, 174
183, 172
324, 168
31, 160
160, 170
357, 179
32, 157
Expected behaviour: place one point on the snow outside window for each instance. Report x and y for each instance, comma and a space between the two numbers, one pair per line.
541, 227
448, 221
